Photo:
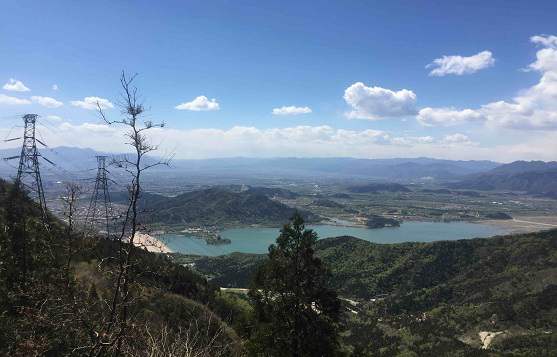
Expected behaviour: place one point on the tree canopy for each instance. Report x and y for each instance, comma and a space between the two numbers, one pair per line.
295, 309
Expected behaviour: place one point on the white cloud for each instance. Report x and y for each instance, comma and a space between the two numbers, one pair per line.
448, 116
4, 99
412, 140
376, 103
534, 107
199, 104
55, 87
298, 141
460, 65
54, 118
545, 41
457, 139
291, 110
47, 101
92, 103
15, 86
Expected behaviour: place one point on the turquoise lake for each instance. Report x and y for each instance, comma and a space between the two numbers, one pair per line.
257, 240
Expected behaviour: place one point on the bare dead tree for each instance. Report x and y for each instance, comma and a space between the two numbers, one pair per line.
198, 338
115, 328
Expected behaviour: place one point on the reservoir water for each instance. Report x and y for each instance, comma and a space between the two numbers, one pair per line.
257, 240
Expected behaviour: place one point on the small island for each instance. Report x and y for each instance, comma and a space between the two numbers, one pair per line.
210, 235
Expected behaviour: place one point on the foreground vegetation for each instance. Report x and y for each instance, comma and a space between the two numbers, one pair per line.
55, 287
424, 297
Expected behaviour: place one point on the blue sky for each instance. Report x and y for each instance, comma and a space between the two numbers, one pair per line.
253, 57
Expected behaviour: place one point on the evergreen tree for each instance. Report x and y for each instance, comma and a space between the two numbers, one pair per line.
296, 312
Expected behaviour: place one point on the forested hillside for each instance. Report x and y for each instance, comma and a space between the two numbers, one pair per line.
219, 206
506, 283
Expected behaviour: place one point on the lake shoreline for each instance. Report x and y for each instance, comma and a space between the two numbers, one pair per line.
151, 243
260, 237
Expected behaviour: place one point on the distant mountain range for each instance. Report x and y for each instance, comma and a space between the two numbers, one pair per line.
76, 161
535, 177
385, 169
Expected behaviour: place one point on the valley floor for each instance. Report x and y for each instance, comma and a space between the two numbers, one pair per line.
525, 224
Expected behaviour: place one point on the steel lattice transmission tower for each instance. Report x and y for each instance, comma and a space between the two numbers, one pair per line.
100, 207
28, 173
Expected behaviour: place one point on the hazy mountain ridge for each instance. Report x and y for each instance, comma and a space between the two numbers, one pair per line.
535, 177
72, 159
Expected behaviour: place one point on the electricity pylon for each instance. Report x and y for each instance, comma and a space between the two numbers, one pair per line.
100, 208
28, 173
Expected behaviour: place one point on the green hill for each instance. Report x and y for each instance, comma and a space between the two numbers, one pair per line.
362, 269
219, 207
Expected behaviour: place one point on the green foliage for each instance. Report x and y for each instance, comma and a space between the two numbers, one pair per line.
495, 284
231, 270
236, 310
295, 309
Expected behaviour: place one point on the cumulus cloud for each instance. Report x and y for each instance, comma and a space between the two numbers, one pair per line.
15, 86
200, 104
5, 99
459, 65
55, 87
535, 108
92, 103
376, 103
47, 101
291, 110
448, 116
545, 41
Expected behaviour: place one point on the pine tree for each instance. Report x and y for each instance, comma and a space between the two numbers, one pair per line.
296, 312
